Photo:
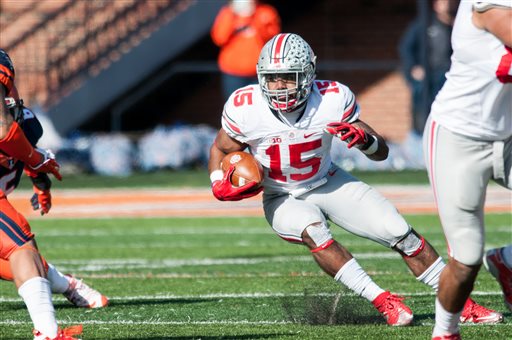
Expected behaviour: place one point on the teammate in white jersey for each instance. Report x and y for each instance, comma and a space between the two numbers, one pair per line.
288, 123
467, 142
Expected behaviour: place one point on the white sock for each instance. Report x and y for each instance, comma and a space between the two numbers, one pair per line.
506, 253
38, 298
356, 279
446, 322
432, 274
58, 282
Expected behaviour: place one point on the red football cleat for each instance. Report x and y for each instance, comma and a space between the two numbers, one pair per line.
475, 313
63, 334
495, 264
393, 309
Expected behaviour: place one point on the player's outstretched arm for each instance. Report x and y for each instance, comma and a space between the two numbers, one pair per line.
362, 136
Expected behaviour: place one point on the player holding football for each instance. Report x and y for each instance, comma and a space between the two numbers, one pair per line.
288, 123
17, 244
467, 142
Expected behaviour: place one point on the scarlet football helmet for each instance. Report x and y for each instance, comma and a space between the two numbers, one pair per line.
289, 57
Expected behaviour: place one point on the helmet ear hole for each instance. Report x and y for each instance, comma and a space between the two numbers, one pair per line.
287, 53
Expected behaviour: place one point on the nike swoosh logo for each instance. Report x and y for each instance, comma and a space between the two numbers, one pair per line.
307, 135
332, 172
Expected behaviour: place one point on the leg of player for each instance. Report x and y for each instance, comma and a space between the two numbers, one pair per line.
336, 261
424, 262
29, 277
76, 291
498, 262
455, 285
28, 271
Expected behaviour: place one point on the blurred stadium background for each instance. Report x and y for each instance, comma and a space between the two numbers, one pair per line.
129, 86
138, 79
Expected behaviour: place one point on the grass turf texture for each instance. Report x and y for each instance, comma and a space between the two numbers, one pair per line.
200, 178
232, 278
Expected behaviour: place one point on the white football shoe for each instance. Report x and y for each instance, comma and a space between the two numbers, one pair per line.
81, 295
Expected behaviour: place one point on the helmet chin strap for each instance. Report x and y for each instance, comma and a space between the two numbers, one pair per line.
292, 117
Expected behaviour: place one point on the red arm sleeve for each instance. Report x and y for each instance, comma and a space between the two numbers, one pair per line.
16, 145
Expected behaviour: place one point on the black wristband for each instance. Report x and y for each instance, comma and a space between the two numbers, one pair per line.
372, 147
368, 143
42, 181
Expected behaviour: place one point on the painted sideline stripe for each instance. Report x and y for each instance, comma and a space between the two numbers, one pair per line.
199, 202
248, 296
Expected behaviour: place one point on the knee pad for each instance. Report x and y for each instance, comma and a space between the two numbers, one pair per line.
411, 245
320, 234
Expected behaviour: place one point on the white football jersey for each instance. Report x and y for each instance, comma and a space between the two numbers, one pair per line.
476, 99
296, 155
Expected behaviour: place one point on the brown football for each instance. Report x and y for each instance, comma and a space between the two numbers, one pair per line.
247, 168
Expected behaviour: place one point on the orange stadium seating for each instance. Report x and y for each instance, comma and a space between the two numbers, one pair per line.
57, 44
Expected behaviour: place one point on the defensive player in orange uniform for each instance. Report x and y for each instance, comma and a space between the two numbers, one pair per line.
17, 244
11, 170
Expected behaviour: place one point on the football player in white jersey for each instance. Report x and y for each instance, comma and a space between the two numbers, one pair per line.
288, 123
467, 142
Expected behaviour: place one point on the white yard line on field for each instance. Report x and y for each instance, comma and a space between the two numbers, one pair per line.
96, 265
247, 296
155, 322
159, 322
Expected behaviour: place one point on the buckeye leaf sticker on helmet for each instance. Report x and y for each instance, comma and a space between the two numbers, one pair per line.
284, 55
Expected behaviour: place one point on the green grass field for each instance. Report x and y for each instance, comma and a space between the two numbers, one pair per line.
232, 278
199, 178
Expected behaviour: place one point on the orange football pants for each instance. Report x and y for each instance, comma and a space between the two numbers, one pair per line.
14, 229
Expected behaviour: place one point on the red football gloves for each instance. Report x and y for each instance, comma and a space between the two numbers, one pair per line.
48, 164
223, 190
352, 135
16, 145
42, 198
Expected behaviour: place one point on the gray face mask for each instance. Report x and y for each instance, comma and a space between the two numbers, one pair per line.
15, 108
284, 55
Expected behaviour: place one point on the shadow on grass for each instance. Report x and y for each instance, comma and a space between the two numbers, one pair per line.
340, 309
